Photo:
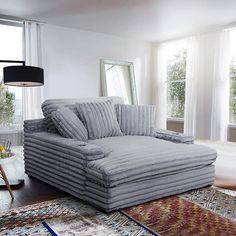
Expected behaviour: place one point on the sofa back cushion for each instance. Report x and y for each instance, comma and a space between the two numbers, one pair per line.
50, 105
136, 120
69, 125
99, 119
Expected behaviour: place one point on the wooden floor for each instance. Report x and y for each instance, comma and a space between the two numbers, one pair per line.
225, 164
34, 191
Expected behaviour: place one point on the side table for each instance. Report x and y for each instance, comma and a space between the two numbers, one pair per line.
4, 177
6, 182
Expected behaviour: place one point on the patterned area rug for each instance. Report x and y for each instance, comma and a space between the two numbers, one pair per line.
67, 216
206, 212
203, 212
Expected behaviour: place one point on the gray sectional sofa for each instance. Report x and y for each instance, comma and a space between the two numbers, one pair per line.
113, 172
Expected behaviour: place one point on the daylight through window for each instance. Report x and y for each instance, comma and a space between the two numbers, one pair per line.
176, 74
10, 97
233, 77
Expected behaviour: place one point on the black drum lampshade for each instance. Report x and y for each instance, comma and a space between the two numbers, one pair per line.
23, 76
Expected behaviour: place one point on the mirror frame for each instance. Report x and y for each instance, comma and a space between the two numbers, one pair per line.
131, 73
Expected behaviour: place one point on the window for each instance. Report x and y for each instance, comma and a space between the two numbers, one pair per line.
10, 97
176, 74
233, 77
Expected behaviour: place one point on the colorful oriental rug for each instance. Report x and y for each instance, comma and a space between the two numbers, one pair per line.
66, 217
204, 212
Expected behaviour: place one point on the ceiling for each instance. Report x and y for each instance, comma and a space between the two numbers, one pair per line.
148, 20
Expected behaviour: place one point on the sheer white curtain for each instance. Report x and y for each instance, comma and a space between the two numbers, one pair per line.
33, 48
207, 84
161, 86
221, 89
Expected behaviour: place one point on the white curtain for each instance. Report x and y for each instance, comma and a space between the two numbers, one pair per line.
33, 56
160, 86
207, 85
221, 85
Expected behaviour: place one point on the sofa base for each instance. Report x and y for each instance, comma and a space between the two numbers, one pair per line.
113, 198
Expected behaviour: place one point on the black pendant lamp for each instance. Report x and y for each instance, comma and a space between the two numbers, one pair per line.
23, 76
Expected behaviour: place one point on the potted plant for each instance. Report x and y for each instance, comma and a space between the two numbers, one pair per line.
5, 149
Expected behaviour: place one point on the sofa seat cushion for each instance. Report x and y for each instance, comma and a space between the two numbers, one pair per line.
141, 157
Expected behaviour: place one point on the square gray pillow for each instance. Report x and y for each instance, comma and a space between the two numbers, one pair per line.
99, 119
136, 120
68, 124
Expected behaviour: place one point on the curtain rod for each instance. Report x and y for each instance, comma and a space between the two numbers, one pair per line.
229, 26
11, 23
14, 19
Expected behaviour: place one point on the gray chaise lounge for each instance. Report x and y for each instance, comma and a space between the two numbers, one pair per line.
114, 172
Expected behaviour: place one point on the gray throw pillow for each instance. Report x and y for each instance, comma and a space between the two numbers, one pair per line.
99, 119
136, 120
69, 125
51, 105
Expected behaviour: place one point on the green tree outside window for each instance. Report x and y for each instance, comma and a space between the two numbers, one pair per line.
7, 107
233, 92
176, 74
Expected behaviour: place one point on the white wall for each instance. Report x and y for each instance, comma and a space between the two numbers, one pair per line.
72, 62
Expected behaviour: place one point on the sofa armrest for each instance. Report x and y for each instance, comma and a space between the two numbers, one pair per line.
54, 143
36, 125
173, 136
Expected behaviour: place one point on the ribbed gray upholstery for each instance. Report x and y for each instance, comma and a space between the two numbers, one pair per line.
68, 124
151, 185
33, 126
91, 172
99, 119
136, 192
173, 136
60, 160
50, 105
140, 157
136, 120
